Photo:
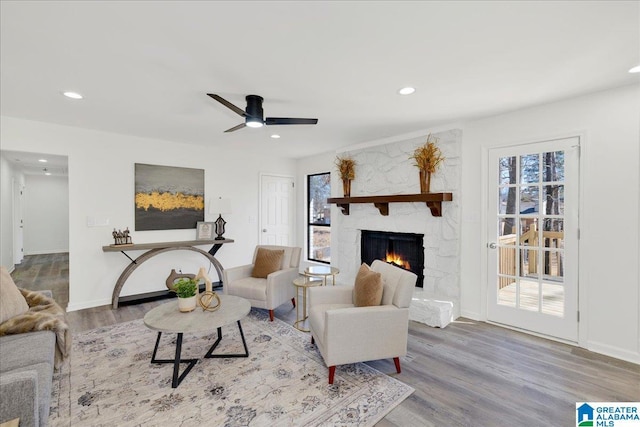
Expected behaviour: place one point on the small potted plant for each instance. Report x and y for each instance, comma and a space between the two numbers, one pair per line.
186, 290
427, 158
347, 169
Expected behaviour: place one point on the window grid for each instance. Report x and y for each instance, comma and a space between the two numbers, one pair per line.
319, 218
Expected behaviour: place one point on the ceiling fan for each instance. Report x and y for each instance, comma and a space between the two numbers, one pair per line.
253, 114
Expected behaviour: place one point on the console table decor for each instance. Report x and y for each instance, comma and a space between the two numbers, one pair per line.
154, 249
121, 238
433, 201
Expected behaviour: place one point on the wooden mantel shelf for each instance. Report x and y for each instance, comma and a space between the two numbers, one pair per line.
433, 201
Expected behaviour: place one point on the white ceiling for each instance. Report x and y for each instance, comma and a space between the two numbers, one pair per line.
144, 67
32, 163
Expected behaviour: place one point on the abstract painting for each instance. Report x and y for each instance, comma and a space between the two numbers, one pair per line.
168, 198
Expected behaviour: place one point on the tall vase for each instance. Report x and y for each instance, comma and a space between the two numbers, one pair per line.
346, 187
425, 181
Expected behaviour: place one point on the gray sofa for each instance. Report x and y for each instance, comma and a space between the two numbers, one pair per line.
26, 374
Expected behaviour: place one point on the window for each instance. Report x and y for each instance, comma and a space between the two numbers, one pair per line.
319, 217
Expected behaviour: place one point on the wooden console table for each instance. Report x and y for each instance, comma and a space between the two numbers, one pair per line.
158, 248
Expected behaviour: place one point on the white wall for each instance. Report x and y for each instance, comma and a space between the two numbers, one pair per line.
609, 126
46, 214
307, 166
101, 178
6, 214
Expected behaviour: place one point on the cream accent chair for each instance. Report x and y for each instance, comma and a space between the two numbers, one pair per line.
267, 293
348, 334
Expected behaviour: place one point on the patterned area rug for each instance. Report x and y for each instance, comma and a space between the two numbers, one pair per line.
109, 380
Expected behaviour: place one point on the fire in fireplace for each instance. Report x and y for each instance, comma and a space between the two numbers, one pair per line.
405, 250
396, 259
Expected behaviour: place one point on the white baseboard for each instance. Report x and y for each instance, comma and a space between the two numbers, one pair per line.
471, 315
87, 304
618, 353
50, 251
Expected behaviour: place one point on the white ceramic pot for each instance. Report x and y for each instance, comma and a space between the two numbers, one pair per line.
186, 305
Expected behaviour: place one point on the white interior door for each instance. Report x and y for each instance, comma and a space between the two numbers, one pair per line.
276, 210
533, 237
18, 223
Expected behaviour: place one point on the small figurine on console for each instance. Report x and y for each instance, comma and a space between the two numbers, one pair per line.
127, 238
121, 237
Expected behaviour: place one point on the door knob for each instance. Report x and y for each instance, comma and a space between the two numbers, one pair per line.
492, 245
264, 230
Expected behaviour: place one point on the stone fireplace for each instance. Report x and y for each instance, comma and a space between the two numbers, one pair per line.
404, 250
386, 169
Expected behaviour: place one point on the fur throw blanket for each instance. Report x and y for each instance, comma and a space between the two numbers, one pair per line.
44, 315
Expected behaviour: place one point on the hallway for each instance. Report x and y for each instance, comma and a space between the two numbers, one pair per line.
47, 271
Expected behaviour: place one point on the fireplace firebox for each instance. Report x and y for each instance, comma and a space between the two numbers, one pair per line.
405, 250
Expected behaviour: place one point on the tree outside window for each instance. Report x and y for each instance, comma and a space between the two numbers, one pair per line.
319, 217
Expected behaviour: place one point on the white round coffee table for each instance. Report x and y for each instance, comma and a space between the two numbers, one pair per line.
167, 318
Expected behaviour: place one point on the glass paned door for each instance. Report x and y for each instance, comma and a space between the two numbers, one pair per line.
533, 237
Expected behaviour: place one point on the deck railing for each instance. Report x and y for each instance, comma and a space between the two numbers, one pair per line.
529, 257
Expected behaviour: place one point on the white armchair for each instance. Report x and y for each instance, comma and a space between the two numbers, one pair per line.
267, 293
348, 334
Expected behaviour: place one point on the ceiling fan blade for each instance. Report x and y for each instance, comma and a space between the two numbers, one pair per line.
289, 121
235, 128
227, 104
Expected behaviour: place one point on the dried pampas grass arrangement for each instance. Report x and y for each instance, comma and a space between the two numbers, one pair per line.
428, 157
346, 167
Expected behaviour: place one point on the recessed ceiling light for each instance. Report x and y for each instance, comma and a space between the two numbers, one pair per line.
275, 136
407, 90
635, 69
47, 173
42, 160
73, 95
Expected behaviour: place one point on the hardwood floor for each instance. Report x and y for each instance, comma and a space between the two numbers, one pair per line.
48, 271
467, 374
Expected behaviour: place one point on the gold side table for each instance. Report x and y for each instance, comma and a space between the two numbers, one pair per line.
303, 283
323, 272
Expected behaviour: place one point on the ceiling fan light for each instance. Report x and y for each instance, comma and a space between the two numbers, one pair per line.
254, 124
635, 69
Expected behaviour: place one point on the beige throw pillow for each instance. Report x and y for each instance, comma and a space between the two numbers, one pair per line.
12, 303
267, 261
367, 290
11, 423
